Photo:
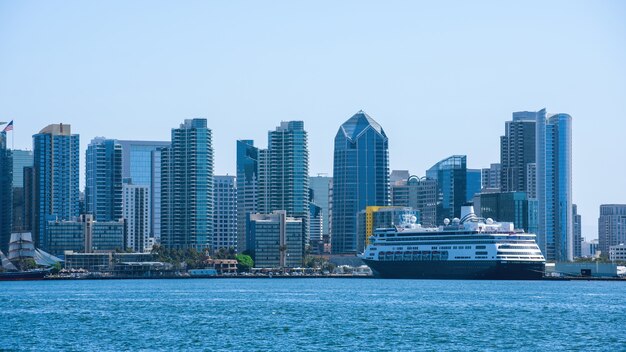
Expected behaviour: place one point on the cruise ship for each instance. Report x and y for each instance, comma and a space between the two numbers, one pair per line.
466, 248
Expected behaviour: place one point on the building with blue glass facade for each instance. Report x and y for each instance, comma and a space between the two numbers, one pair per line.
508, 207
554, 185
247, 188
320, 189
187, 187
103, 181
360, 177
6, 193
474, 183
141, 164
56, 179
451, 176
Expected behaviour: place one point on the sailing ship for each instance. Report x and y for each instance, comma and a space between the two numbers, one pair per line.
22, 256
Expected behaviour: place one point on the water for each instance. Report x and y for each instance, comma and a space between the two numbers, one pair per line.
312, 314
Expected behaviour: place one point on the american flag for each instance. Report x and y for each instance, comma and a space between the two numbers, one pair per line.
8, 127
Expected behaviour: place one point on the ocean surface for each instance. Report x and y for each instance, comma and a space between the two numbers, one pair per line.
313, 315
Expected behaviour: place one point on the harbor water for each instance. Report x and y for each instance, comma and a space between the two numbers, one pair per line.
301, 314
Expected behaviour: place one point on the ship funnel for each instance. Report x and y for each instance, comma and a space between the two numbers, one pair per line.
467, 213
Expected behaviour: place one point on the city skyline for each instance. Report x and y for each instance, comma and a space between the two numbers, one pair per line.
439, 69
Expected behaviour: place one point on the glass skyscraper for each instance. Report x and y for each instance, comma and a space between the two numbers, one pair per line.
187, 187
141, 164
554, 185
451, 176
360, 177
6, 193
321, 197
247, 188
517, 151
56, 178
103, 181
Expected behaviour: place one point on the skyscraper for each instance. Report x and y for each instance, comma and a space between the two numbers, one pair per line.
247, 187
451, 176
136, 211
103, 189
517, 151
473, 183
56, 178
611, 226
225, 214
141, 164
21, 159
554, 185
360, 177
187, 187
419, 194
321, 197
578, 236
491, 176
6, 193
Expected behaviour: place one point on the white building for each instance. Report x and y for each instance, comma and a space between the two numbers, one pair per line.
136, 211
617, 253
225, 212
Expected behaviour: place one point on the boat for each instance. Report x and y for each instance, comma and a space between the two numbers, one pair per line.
23, 256
36, 274
466, 249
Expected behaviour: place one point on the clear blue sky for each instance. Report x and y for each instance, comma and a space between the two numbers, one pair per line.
440, 77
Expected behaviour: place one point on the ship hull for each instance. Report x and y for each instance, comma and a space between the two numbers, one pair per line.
458, 270
23, 275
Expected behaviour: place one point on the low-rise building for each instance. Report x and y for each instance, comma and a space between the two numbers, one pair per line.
617, 253
276, 239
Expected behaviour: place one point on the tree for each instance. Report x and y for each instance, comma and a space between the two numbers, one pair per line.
244, 262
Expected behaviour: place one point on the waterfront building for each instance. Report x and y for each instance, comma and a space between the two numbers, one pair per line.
6, 193
374, 217
141, 164
276, 239
56, 179
103, 181
473, 183
419, 193
578, 237
247, 187
320, 185
491, 177
617, 253
554, 185
517, 151
611, 226
451, 176
360, 177
85, 235
316, 221
187, 187
225, 217
507, 207
136, 212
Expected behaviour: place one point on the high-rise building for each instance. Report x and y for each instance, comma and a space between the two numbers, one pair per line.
141, 164
276, 240
451, 176
360, 177
507, 207
225, 212
373, 217
21, 159
554, 186
517, 150
419, 194
56, 179
187, 187
136, 212
491, 176
320, 185
316, 220
247, 187
6, 193
473, 183
578, 236
28, 210
103, 181
611, 226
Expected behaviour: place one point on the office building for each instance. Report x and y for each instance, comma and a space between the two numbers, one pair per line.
316, 221
247, 187
187, 187
611, 226
21, 159
141, 164
103, 181
320, 186
617, 253
225, 216
6, 193
419, 193
491, 176
507, 207
578, 236
276, 239
56, 179
85, 235
473, 183
360, 177
517, 151
554, 186
451, 176
136, 212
